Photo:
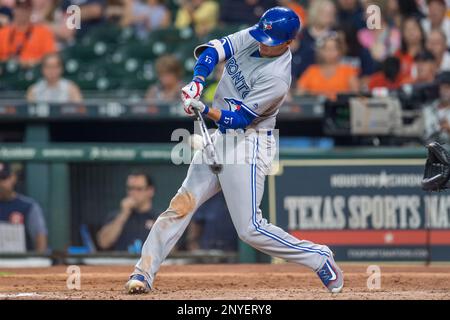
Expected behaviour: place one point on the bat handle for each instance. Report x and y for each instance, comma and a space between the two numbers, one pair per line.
209, 149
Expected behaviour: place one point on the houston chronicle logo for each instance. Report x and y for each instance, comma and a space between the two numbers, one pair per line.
381, 180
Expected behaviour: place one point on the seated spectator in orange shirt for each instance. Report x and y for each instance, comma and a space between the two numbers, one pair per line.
329, 77
413, 42
23, 40
390, 76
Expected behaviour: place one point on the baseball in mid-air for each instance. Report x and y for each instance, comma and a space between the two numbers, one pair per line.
196, 141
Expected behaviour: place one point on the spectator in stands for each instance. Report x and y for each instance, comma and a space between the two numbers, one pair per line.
243, 12
426, 67
382, 42
43, 11
6, 12
135, 217
54, 88
393, 14
202, 15
390, 76
410, 8
437, 44
437, 18
170, 75
119, 10
8, 4
321, 20
437, 114
355, 54
397, 10
413, 42
329, 76
18, 209
350, 13
25, 41
92, 15
211, 227
147, 16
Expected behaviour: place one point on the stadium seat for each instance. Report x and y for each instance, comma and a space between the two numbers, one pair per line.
99, 84
15, 78
141, 78
87, 52
185, 53
139, 50
136, 84
171, 35
10, 68
19, 84
107, 32
126, 35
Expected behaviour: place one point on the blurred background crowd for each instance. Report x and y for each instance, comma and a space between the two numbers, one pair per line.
141, 50
138, 44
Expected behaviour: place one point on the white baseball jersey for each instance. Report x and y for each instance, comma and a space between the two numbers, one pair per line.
257, 84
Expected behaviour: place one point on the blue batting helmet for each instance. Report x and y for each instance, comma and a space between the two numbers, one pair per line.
277, 25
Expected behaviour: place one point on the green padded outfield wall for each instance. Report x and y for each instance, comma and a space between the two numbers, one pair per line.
81, 183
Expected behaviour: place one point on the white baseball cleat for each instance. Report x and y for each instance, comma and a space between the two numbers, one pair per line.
331, 275
137, 285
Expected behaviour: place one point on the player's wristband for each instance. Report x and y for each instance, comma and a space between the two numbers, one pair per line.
206, 110
199, 80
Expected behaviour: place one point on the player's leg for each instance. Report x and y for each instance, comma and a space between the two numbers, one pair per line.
255, 230
199, 185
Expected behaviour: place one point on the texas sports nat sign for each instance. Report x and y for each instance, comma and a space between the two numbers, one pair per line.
365, 209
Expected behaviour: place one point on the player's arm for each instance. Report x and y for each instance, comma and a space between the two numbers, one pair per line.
208, 55
41, 243
110, 233
238, 119
267, 92
37, 228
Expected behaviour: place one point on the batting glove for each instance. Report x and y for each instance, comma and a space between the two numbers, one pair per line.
193, 90
191, 104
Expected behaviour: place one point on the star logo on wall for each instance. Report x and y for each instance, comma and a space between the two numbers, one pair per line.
389, 237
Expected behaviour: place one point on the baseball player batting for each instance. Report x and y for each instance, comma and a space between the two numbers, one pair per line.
254, 84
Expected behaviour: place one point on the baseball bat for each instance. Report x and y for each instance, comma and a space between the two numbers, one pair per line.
208, 145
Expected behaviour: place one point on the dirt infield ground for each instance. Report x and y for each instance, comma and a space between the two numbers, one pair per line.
278, 281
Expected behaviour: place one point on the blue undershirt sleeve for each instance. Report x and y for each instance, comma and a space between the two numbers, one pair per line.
238, 119
206, 63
